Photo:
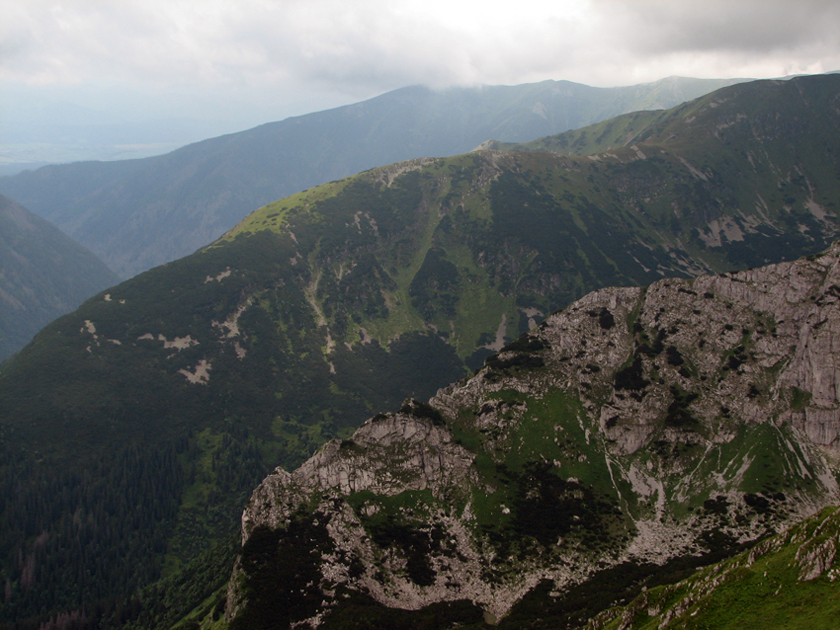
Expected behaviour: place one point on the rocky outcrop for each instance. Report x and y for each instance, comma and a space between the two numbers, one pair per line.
388, 455
635, 427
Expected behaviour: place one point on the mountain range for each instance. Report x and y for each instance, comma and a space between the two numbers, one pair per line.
134, 429
136, 214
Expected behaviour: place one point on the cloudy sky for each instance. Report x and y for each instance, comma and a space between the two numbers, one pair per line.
251, 61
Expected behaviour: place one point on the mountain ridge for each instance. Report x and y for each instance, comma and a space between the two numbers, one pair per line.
140, 213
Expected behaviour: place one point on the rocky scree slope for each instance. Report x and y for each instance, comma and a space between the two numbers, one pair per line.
637, 430
787, 581
323, 308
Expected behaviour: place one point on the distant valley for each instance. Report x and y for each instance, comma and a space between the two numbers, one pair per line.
43, 274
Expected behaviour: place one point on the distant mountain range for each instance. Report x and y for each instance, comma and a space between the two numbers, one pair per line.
134, 429
43, 274
136, 214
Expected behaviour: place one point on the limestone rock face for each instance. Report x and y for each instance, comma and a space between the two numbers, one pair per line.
635, 427
388, 455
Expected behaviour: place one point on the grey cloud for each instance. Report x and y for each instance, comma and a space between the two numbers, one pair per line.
278, 56
750, 26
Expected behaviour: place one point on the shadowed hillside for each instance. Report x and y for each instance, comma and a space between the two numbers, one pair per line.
43, 274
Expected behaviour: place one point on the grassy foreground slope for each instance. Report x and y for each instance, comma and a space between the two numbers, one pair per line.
787, 581
142, 421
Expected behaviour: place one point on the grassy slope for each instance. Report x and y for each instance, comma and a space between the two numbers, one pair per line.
762, 588
598, 138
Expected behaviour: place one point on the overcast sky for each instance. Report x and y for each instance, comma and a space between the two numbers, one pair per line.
253, 61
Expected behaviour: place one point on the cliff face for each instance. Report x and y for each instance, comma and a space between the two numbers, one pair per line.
630, 436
